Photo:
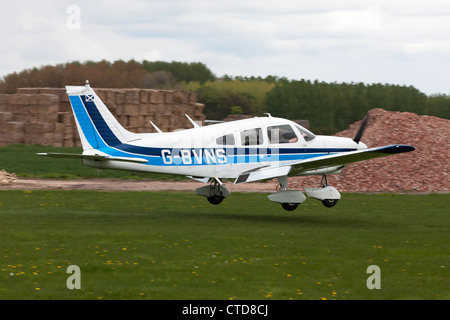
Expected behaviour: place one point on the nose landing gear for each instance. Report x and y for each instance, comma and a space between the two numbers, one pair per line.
327, 194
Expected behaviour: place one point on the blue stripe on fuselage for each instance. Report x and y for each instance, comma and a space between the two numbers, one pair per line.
100, 136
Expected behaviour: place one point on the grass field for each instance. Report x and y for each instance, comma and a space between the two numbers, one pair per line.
166, 245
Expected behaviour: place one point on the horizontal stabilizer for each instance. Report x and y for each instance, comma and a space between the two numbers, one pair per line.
91, 157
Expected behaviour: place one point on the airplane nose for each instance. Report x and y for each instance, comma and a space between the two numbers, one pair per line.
361, 146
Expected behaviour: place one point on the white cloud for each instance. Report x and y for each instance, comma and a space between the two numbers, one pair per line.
403, 42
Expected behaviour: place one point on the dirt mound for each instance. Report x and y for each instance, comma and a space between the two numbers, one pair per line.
6, 177
424, 170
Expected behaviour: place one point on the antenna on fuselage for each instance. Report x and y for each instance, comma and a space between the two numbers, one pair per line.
195, 124
156, 128
268, 114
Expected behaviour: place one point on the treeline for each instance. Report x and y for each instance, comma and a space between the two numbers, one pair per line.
329, 107
105, 74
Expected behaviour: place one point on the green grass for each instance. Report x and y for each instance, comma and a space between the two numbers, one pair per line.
167, 245
22, 160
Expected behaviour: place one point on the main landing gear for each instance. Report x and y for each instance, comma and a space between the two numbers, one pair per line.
215, 192
329, 202
290, 199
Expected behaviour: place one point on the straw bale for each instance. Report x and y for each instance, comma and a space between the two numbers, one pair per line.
145, 109
68, 142
66, 118
40, 117
58, 128
64, 106
155, 96
4, 100
68, 131
192, 97
101, 94
11, 137
198, 108
110, 96
6, 116
21, 117
168, 96
12, 126
38, 127
135, 121
180, 97
132, 96
45, 99
40, 138
168, 110
44, 108
123, 120
20, 99
120, 97
30, 91
131, 109
144, 96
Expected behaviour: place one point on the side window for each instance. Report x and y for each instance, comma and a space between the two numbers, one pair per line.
251, 137
281, 134
226, 140
307, 135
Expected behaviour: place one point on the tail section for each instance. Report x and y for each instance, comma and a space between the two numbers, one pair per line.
96, 125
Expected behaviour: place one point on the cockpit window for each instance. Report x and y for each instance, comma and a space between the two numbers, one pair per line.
226, 140
281, 134
251, 137
307, 135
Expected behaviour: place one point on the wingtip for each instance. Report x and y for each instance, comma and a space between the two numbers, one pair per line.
398, 148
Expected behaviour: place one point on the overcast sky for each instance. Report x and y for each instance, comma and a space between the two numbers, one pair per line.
398, 42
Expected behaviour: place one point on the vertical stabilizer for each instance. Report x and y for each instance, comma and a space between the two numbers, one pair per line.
96, 125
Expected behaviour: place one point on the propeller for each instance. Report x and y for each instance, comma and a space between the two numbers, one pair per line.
361, 129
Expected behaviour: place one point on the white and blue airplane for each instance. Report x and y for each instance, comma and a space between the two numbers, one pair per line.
245, 150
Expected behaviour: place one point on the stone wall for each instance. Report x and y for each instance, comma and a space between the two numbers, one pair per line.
44, 116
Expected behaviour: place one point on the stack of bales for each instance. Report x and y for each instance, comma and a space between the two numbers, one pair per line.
43, 115
29, 119
135, 108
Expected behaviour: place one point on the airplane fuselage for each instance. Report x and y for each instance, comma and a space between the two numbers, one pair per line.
221, 150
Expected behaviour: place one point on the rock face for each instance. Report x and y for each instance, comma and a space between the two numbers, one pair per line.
427, 169
44, 116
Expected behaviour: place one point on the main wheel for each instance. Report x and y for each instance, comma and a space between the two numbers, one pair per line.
289, 206
329, 202
215, 199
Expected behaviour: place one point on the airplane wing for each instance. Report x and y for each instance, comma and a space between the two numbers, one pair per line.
332, 160
90, 157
